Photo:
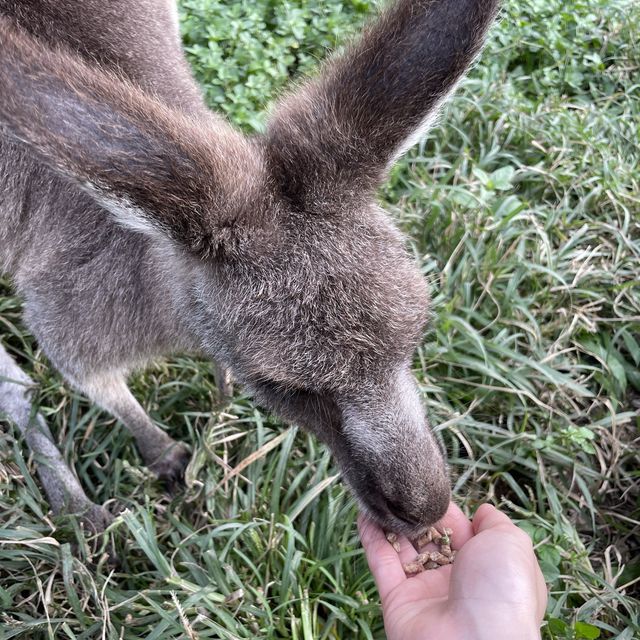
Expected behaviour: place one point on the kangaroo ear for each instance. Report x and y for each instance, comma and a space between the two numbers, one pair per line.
341, 131
154, 168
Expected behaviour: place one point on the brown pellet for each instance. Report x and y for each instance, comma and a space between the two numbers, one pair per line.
428, 559
412, 568
436, 536
423, 558
392, 538
441, 559
424, 539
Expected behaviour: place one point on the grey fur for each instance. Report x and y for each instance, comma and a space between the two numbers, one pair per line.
136, 224
63, 490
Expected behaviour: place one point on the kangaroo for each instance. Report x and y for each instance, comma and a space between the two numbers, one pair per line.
135, 223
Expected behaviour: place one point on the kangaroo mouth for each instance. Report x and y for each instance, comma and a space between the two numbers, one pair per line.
390, 514
390, 520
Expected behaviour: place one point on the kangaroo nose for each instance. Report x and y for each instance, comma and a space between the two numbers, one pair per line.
400, 511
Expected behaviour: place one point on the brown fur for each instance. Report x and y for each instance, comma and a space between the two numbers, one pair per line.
268, 254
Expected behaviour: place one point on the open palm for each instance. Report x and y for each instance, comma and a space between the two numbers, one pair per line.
494, 590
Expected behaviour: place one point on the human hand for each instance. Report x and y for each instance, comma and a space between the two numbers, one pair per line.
494, 590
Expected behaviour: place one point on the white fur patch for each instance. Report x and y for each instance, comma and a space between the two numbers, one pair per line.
124, 212
175, 17
422, 130
395, 416
427, 122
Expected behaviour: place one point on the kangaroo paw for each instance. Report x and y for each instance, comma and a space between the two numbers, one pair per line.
170, 467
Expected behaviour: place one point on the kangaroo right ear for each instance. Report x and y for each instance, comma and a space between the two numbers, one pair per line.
154, 168
338, 134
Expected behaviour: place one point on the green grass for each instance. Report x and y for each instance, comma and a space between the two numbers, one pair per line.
523, 208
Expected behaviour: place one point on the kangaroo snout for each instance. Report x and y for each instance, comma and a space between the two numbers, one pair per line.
397, 468
413, 504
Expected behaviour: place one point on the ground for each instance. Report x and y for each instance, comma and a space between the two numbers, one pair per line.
523, 208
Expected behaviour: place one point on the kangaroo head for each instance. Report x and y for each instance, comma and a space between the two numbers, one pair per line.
321, 326
287, 271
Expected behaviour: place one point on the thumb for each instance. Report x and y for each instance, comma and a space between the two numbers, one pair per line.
488, 517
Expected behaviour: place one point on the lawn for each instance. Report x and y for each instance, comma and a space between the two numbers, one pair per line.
523, 208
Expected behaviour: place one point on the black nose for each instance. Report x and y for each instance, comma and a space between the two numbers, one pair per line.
399, 510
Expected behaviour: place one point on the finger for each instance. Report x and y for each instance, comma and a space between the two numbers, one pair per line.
488, 517
384, 562
543, 595
459, 524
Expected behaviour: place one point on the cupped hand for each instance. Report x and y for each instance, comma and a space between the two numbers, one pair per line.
494, 590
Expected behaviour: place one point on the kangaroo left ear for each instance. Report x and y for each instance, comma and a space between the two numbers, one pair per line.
154, 168
339, 133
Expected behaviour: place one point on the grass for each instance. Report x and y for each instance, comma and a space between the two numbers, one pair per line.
523, 208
